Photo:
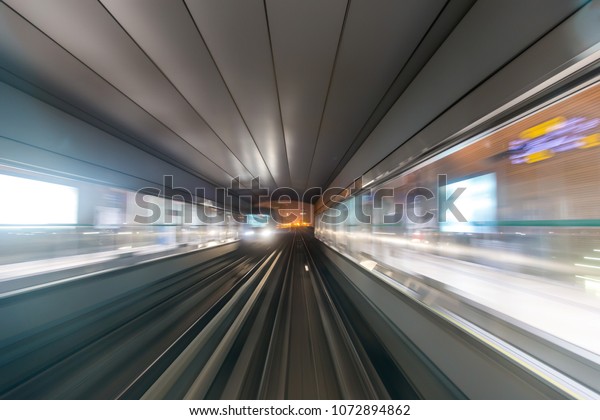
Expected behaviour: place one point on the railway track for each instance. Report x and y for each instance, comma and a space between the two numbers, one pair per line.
260, 323
280, 337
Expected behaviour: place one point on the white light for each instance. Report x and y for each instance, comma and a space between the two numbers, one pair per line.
30, 202
368, 264
591, 284
91, 233
305, 267
588, 278
249, 233
266, 232
588, 266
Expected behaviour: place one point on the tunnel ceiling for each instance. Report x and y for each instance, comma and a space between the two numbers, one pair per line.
283, 90
294, 92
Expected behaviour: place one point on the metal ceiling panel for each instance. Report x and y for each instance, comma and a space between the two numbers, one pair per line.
237, 36
491, 35
86, 30
444, 24
378, 38
167, 33
305, 37
28, 53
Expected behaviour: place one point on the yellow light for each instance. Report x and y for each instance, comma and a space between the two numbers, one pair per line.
543, 128
592, 140
538, 156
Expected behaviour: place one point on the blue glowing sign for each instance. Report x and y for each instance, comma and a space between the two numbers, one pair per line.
554, 136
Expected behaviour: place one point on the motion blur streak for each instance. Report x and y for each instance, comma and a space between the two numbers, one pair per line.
528, 251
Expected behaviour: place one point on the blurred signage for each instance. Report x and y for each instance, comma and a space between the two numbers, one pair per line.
477, 203
259, 220
559, 134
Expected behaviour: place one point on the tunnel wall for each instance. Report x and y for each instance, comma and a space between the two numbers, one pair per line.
66, 145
